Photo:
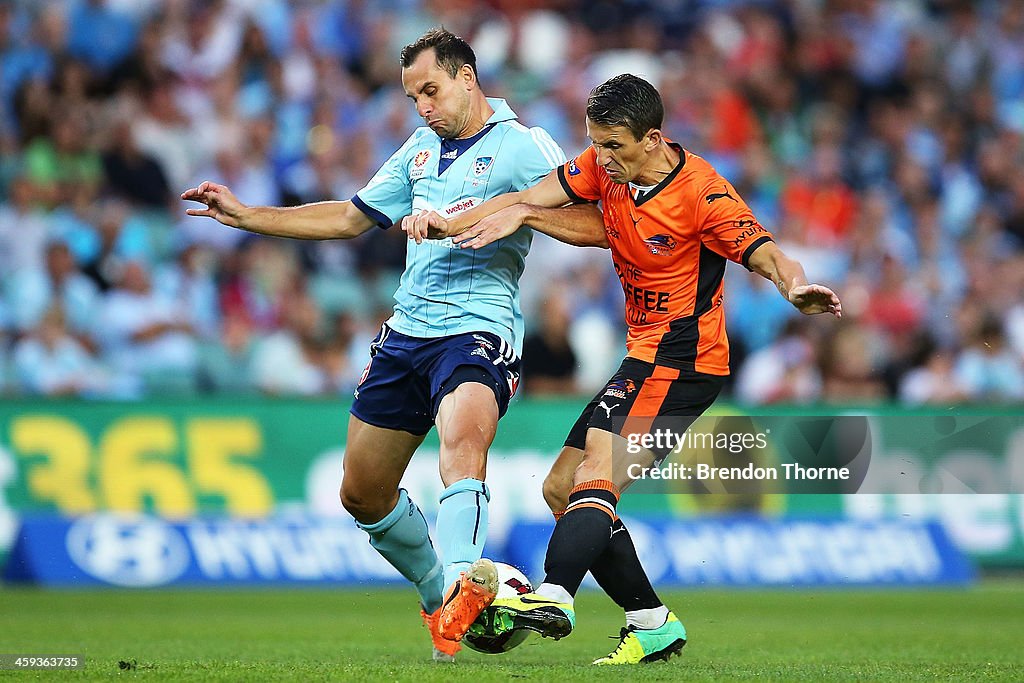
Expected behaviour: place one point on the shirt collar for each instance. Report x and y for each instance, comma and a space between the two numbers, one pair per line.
502, 112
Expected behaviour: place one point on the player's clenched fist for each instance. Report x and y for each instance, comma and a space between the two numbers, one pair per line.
426, 225
221, 204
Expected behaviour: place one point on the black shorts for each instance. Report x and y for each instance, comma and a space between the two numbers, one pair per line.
645, 391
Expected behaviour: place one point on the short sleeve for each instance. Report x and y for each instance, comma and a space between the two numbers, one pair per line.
728, 226
540, 156
387, 197
580, 179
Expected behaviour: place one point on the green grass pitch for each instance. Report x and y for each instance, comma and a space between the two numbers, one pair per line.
371, 635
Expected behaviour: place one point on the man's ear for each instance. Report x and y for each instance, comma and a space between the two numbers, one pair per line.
468, 76
652, 139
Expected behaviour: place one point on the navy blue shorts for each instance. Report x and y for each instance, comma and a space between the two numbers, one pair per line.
406, 378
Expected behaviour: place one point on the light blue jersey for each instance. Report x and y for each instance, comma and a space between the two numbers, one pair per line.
446, 290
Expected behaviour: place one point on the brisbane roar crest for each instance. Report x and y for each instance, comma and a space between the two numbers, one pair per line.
661, 245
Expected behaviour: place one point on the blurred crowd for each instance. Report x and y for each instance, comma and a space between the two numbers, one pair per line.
880, 141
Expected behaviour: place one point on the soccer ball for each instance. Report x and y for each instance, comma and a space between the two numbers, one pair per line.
511, 582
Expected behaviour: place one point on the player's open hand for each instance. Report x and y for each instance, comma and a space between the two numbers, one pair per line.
426, 225
812, 299
221, 203
493, 228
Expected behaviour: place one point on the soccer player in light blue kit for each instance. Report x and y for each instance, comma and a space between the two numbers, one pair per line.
450, 353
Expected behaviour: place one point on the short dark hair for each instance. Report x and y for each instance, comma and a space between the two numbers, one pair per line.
450, 50
626, 100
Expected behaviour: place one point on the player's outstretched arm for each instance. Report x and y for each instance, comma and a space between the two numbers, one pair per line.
788, 275
547, 193
579, 224
318, 221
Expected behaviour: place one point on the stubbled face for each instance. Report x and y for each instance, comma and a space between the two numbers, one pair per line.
621, 155
442, 101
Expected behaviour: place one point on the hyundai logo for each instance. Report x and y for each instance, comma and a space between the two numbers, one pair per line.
132, 551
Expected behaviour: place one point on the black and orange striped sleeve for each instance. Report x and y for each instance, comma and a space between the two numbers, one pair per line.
580, 177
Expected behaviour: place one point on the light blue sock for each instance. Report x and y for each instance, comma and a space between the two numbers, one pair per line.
462, 526
404, 541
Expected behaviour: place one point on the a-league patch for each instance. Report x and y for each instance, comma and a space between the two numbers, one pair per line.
620, 388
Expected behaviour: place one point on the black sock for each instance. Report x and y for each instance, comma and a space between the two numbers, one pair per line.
582, 534
618, 571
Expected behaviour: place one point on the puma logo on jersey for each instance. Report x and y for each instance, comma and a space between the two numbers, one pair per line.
608, 409
636, 221
719, 195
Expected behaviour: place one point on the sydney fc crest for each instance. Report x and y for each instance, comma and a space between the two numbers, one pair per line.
482, 165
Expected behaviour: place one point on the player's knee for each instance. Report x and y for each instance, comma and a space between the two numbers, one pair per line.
365, 509
349, 499
556, 492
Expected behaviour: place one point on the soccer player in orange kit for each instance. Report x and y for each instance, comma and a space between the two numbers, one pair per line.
671, 222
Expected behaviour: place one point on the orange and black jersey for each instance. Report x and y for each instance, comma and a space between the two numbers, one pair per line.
669, 247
